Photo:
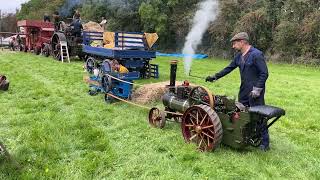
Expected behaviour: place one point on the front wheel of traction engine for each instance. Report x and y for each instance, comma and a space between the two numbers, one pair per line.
201, 125
157, 118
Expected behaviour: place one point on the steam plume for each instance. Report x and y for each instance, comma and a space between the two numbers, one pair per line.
65, 10
207, 13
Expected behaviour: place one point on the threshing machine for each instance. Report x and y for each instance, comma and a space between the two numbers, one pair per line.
37, 35
208, 119
131, 49
109, 81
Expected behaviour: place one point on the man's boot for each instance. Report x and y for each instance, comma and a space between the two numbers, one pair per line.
265, 137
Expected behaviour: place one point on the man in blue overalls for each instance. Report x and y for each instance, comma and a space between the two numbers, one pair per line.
253, 72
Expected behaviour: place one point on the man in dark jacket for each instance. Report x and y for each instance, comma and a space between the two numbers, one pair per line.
253, 72
77, 27
56, 20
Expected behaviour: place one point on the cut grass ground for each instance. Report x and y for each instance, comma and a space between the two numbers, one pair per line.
54, 130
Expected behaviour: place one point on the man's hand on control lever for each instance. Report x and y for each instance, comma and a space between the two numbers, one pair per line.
211, 78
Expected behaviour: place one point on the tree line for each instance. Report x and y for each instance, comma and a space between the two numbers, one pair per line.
286, 30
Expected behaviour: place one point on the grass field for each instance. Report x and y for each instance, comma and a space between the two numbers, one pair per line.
54, 130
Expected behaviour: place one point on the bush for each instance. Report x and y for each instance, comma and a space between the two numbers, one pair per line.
309, 37
285, 39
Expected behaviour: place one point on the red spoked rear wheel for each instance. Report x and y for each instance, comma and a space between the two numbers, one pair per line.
201, 125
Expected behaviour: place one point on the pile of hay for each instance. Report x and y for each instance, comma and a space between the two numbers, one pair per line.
92, 26
150, 92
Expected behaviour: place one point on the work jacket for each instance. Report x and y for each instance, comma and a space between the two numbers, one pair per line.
77, 26
253, 72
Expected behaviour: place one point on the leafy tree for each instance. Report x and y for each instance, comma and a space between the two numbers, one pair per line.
289, 28
285, 39
309, 35
256, 24
8, 23
35, 9
122, 15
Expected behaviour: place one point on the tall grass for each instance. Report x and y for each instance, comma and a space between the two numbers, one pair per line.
54, 130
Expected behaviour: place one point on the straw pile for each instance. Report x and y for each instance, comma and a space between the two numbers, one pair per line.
92, 26
150, 92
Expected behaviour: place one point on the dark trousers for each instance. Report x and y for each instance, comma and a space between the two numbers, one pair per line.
77, 33
263, 125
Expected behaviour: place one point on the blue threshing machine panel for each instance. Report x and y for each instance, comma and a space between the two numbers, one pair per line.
131, 49
126, 47
118, 54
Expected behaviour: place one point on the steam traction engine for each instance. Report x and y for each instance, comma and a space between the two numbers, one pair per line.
208, 119
65, 44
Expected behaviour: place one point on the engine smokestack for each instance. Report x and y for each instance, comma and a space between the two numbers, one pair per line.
173, 75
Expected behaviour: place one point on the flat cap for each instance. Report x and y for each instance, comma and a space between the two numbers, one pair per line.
240, 36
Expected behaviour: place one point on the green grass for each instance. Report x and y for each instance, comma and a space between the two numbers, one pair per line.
54, 130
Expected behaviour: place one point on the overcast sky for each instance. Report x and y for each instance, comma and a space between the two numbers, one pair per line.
10, 5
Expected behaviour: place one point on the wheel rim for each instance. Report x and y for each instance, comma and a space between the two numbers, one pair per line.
202, 126
45, 51
106, 83
56, 51
201, 95
90, 65
106, 67
17, 48
56, 45
157, 118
